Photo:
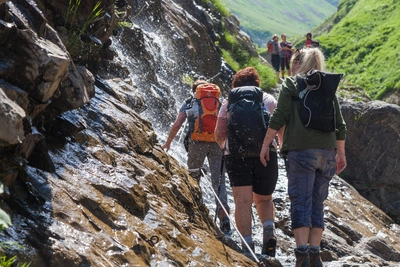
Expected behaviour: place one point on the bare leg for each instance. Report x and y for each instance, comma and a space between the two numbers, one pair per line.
265, 207
315, 236
243, 197
301, 235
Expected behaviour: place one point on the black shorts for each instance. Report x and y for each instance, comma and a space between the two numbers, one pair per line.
250, 171
285, 63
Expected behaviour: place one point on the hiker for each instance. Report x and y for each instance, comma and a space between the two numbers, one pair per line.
274, 48
249, 179
313, 158
199, 150
285, 55
310, 42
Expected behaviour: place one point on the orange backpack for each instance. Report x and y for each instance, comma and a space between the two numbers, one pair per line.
207, 97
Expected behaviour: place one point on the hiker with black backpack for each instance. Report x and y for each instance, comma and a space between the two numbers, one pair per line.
241, 127
314, 145
201, 110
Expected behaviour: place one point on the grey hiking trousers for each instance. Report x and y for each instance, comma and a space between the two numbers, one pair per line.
198, 151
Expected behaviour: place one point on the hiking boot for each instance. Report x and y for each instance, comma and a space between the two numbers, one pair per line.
302, 258
315, 259
269, 246
245, 249
225, 225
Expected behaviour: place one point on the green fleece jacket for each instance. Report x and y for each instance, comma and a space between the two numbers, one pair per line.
296, 136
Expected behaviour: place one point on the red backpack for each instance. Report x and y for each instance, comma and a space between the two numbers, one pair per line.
270, 46
207, 97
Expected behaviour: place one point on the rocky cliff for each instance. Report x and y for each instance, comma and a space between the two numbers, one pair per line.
83, 109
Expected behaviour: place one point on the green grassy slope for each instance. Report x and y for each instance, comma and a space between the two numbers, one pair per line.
263, 18
365, 44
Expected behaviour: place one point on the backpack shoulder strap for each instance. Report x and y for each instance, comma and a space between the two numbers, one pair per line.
189, 102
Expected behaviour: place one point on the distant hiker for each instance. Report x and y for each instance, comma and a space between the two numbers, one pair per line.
201, 141
310, 42
274, 48
285, 55
313, 156
241, 126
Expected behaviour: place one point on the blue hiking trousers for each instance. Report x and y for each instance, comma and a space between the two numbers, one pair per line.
309, 172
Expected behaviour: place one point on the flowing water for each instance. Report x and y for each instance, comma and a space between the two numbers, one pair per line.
165, 60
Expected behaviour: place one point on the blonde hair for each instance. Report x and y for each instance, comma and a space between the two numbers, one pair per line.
310, 58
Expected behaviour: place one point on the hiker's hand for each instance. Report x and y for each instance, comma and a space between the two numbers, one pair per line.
264, 155
340, 163
166, 147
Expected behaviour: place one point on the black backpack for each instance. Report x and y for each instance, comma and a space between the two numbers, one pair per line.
317, 91
248, 121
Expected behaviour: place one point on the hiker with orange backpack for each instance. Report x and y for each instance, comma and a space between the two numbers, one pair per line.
201, 112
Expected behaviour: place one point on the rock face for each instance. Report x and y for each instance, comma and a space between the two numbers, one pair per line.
11, 121
372, 147
86, 180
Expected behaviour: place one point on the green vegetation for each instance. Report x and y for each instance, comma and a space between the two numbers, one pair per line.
261, 19
219, 6
5, 221
363, 43
75, 46
239, 58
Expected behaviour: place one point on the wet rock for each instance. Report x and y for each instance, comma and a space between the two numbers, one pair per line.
75, 91
92, 186
11, 117
372, 141
19, 96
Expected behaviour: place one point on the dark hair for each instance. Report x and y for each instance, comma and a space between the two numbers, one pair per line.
309, 34
197, 83
246, 77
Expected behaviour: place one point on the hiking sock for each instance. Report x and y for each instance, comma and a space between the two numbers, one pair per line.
302, 257
269, 239
249, 241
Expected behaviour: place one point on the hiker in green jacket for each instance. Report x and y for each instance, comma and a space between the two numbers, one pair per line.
313, 158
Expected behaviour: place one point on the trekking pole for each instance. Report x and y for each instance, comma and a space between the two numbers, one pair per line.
219, 184
212, 78
260, 263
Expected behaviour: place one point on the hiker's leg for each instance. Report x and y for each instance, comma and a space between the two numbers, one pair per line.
282, 67
265, 207
315, 236
196, 154
264, 183
218, 181
241, 180
263, 186
301, 234
326, 170
243, 197
301, 176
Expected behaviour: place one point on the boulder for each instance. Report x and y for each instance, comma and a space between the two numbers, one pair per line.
372, 146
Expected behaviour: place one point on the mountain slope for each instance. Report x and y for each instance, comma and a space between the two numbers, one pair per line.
364, 44
263, 18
